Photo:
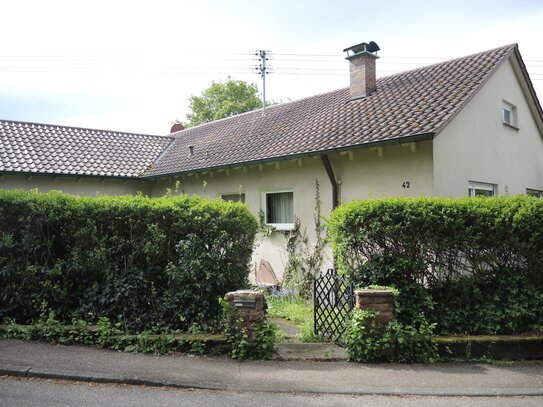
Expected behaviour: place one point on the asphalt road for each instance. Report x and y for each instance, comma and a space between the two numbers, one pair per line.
18, 392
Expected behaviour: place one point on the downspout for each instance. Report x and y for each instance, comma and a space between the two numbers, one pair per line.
332, 178
330, 172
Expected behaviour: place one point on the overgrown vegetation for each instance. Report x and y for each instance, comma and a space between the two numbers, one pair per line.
106, 334
473, 265
368, 341
253, 340
262, 345
144, 263
289, 305
304, 260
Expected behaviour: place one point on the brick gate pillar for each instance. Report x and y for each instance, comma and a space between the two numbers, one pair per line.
246, 307
378, 300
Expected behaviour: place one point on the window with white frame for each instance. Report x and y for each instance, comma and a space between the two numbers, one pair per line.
534, 192
481, 189
279, 209
509, 114
233, 197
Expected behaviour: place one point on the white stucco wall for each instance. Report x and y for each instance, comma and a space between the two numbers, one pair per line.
73, 185
477, 146
256, 180
363, 173
395, 170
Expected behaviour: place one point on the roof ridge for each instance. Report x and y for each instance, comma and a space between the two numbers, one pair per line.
387, 77
410, 104
82, 128
271, 107
448, 61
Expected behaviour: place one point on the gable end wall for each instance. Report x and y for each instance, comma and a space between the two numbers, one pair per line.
477, 146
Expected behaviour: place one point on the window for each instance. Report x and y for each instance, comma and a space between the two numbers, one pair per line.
481, 189
279, 209
534, 192
233, 197
509, 114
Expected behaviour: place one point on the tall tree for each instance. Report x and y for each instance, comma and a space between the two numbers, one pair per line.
222, 99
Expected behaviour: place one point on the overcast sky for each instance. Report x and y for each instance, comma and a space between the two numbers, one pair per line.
132, 65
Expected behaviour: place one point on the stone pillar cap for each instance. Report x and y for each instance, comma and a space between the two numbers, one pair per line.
371, 292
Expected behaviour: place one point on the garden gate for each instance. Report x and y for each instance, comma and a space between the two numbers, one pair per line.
333, 302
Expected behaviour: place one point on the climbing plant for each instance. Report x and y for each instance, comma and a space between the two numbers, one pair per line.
304, 259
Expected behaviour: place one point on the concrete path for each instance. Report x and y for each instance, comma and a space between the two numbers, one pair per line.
290, 331
292, 349
36, 359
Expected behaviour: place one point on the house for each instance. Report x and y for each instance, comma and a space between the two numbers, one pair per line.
468, 126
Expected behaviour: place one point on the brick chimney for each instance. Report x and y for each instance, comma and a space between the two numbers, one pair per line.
361, 59
177, 127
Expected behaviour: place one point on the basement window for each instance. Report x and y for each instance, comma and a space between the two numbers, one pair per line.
481, 189
279, 209
509, 114
233, 197
534, 192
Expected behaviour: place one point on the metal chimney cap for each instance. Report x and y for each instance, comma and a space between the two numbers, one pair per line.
370, 47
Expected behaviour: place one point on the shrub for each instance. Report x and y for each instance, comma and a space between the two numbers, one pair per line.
471, 265
134, 260
368, 341
364, 339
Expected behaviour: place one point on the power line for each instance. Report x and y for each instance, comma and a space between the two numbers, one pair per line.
307, 64
263, 69
224, 55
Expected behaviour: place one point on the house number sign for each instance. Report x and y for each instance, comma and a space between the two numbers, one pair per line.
406, 184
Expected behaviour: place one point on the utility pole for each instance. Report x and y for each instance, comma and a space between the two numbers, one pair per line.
263, 70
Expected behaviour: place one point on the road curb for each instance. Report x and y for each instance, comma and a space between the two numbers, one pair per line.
29, 372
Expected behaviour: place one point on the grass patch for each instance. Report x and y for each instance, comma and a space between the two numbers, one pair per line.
292, 307
295, 309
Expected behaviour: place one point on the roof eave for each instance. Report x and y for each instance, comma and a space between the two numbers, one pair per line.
69, 175
514, 49
379, 143
528, 89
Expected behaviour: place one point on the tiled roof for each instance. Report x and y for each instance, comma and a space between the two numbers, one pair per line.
405, 106
409, 104
34, 148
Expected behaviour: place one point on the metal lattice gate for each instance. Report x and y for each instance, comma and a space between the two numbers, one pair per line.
333, 303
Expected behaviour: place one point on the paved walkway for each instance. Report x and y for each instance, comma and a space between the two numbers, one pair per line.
37, 359
293, 349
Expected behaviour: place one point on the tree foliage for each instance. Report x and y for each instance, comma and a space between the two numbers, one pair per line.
222, 99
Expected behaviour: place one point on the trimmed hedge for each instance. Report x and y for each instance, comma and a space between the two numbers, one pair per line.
141, 261
471, 265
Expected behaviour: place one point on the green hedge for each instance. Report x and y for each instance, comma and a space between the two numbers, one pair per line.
471, 265
141, 261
